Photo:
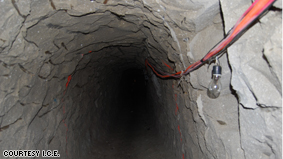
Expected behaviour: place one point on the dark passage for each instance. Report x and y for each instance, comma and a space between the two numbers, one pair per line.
132, 87
131, 132
131, 110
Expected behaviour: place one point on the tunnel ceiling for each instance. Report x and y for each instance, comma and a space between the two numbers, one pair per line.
60, 28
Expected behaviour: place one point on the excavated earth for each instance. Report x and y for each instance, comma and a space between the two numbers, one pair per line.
73, 79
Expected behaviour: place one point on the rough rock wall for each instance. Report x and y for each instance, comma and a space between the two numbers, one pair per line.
43, 42
256, 64
245, 121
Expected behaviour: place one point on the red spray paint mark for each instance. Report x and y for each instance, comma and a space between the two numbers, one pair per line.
175, 97
69, 79
179, 129
180, 132
168, 66
67, 84
64, 111
105, 2
65, 125
177, 107
89, 51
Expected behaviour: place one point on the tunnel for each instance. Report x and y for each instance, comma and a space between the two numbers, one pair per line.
74, 83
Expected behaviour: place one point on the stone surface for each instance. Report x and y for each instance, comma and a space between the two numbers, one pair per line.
10, 25
256, 82
99, 43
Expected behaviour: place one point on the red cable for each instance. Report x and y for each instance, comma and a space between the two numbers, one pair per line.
249, 16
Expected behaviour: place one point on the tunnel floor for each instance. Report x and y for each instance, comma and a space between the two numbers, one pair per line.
132, 133
141, 142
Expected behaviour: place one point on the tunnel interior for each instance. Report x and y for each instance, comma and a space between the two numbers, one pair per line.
131, 101
73, 79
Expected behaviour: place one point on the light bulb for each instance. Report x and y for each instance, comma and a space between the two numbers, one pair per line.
214, 87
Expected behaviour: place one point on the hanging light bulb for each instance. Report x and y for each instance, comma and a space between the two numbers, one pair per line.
214, 87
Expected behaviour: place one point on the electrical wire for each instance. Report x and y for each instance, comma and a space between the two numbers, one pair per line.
257, 8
